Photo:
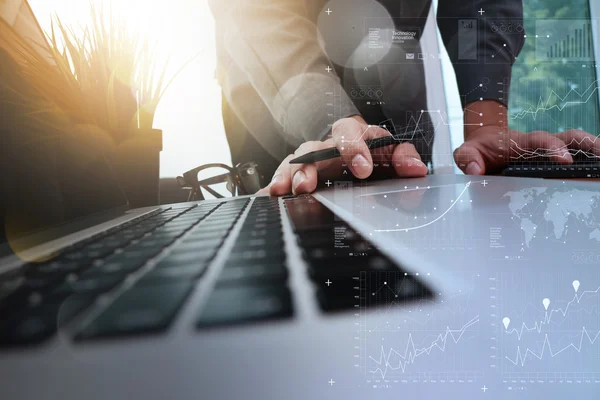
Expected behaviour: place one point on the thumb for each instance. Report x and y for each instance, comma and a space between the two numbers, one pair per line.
470, 159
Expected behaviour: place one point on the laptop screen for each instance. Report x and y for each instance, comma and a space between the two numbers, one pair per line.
52, 172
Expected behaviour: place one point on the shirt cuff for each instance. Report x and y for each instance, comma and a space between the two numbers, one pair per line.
480, 81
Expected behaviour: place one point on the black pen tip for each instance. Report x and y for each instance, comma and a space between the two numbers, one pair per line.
303, 159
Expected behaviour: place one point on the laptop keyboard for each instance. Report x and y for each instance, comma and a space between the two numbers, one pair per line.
336, 254
152, 303
252, 284
557, 171
39, 298
134, 279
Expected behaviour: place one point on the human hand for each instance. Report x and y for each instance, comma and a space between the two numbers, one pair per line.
348, 136
489, 149
489, 146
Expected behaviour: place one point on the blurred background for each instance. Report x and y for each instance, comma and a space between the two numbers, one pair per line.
190, 112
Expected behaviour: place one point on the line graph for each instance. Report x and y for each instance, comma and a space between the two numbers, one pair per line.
460, 306
521, 357
417, 188
548, 315
554, 104
415, 128
433, 221
553, 337
429, 340
423, 216
574, 148
411, 352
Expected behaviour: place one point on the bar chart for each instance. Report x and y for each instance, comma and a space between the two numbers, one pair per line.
562, 39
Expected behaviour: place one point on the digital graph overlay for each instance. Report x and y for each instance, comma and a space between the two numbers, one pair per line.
555, 105
432, 220
554, 336
419, 127
428, 340
564, 39
561, 216
423, 216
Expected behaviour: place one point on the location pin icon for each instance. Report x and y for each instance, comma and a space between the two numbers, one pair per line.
576, 286
546, 303
506, 322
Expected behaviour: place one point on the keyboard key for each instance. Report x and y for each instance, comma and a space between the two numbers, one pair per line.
77, 256
35, 325
307, 213
137, 252
151, 242
228, 306
267, 226
54, 268
339, 295
178, 224
171, 234
336, 255
349, 266
191, 245
88, 285
122, 239
10, 283
115, 266
259, 233
253, 274
181, 258
257, 243
215, 225
257, 256
205, 234
141, 310
173, 273
195, 243
40, 282
232, 215
174, 231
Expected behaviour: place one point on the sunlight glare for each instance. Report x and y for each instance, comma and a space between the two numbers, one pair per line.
190, 112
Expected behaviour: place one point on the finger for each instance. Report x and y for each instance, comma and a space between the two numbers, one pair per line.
407, 161
264, 191
542, 144
349, 137
470, 158
305, 177
281, 184
584, 143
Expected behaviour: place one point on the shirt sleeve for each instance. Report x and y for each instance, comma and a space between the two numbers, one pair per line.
277, 47
483, 39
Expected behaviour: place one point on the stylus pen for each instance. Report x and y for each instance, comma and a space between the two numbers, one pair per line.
333, 152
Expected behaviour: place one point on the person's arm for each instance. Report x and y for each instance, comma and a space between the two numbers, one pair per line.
276, 45
495, 51
489, 143
481, 62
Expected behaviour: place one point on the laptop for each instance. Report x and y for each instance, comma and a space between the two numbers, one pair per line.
440, 286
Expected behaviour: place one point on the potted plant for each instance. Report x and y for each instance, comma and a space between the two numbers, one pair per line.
103, 75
